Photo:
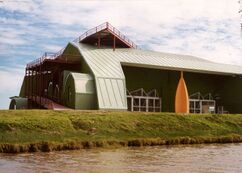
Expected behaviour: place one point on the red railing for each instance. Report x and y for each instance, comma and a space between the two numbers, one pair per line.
110, 28
122, 37
91, 31
46, 55
94, 30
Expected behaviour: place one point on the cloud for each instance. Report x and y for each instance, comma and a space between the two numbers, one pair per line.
11, 40
16, 73
52, 48
216, 40
25, 6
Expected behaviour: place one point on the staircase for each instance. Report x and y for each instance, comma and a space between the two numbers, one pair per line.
47, 103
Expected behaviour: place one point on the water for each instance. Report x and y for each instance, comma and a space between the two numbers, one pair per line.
196, 158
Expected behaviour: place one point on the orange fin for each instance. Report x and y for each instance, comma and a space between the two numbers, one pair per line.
182, 98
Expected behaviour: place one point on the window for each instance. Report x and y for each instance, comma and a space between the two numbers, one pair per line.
139, 100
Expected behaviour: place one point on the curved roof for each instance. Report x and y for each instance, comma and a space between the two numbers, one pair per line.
21, 103
79, 79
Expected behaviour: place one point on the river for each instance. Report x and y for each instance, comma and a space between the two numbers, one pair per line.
183, 159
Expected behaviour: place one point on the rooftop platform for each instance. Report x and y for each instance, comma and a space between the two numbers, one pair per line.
104, 34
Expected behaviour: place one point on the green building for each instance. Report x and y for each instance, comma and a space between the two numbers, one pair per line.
103, 70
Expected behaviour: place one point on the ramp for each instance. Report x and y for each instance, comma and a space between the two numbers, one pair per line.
48, 103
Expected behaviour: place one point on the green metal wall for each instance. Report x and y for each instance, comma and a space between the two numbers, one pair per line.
228, 88
164, 81
231, 93
203, 83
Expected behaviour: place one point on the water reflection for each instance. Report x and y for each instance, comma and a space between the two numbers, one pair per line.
195, 158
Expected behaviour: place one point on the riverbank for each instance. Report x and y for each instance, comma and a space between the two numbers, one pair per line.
44, 130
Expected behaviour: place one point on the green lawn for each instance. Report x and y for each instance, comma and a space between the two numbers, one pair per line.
58, 130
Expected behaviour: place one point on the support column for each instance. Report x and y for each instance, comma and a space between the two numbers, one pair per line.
99, 40
132, 104
44, 84
32, 84
25, 77
30, 73
154, 106
40, 85
27, 86
114, 43
160, 104
36, 85
52, 89
28, 83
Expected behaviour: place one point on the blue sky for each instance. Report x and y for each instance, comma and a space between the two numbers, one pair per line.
209, 29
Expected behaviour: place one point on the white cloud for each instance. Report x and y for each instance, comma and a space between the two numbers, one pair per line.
26, 6
11, 78
52, 48
11, 40
11, 36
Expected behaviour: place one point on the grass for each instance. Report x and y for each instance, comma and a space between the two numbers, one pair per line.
44, 130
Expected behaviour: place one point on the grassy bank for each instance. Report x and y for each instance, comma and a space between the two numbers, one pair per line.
43, 130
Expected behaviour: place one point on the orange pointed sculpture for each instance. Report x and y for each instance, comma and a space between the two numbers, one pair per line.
182, 98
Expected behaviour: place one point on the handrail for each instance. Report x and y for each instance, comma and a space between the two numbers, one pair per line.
103, 26
46, 55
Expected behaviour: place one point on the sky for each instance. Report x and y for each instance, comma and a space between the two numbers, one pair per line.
208, 29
